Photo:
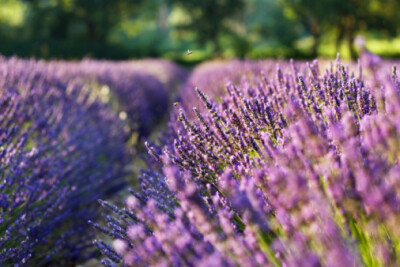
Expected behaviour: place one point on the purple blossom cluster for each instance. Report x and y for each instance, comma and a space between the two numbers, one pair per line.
214, 75
63, 147
296, 167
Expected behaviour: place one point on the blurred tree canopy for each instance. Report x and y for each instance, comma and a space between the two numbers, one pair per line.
210, 18
83, 20
118, 29
346, 18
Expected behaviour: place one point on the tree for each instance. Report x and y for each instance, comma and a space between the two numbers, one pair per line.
58, 19
209, 18
346, 17
267, 19
315, 16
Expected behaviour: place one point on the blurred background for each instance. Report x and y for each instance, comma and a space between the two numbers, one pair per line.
122, 29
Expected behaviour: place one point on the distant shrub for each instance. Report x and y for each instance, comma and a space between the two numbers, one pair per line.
143, 89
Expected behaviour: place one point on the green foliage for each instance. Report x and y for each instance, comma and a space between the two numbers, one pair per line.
167, 28
346, 18
79, 20
209, 18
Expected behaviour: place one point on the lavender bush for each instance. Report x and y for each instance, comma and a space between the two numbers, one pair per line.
62, 147
142, 90
212, 77
296, 168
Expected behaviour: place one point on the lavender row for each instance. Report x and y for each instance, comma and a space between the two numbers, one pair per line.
140, 91
63, 147
296, 167
212, 77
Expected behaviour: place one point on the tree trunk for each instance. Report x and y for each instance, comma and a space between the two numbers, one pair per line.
350, 43
350, 36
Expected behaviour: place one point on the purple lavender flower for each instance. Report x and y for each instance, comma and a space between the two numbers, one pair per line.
63, 146
289, 167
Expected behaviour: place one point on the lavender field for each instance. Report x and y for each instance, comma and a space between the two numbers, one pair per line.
243, 163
